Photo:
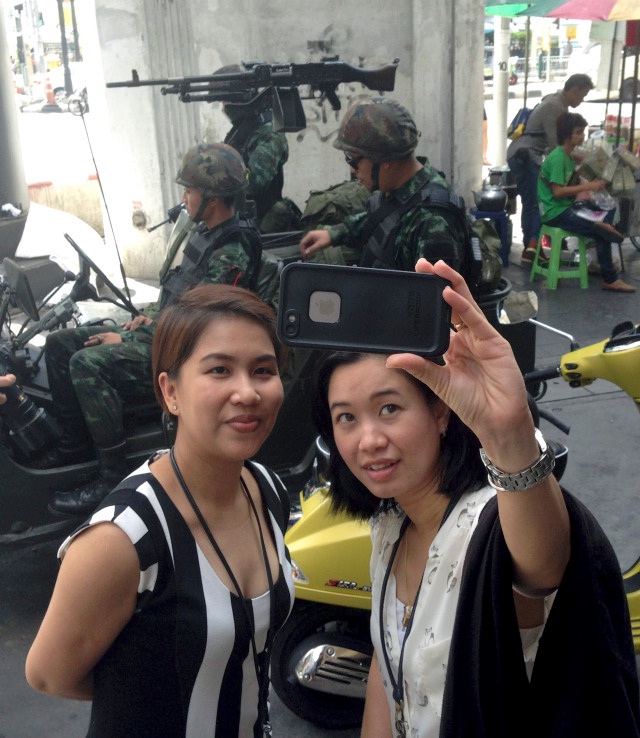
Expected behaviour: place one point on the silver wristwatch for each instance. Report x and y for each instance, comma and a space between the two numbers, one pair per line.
525, 479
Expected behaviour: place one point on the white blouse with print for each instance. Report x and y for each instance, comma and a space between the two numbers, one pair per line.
426, 653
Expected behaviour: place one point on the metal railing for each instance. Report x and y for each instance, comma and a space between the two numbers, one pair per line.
538, 69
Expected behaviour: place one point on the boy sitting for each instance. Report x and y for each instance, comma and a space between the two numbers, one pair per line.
556, 198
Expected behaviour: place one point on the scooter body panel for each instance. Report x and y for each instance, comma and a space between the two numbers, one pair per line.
331, 555
631, 579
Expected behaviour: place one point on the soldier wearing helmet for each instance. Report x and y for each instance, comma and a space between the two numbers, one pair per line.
265, 152
378, 137
92, 371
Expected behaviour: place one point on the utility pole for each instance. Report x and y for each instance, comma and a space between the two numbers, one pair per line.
501, 44
76, 40
68, 86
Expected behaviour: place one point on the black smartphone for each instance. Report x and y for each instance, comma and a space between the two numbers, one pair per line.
359, 309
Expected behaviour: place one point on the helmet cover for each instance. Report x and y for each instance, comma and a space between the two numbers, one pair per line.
217, 170
378, 129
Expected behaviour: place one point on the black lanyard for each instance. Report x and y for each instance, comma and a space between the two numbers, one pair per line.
398, 686
260, 661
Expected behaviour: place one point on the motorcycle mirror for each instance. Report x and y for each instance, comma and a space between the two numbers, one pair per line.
19, 283
518, 307
83, 290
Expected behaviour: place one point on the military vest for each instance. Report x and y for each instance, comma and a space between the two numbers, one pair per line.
204, 245
479, 263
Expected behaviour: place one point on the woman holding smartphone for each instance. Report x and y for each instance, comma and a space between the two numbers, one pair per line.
476, 549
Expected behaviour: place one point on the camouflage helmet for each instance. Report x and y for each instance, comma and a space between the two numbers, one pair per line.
379, 129
217, 170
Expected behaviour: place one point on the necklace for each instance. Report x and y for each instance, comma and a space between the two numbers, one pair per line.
408, 609
260, 661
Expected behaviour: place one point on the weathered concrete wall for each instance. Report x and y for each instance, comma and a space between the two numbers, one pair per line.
81, 199
439, 44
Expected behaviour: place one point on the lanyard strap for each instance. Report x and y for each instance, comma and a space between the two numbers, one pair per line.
397, 685
260, 661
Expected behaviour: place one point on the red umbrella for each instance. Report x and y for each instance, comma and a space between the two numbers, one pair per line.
603, 10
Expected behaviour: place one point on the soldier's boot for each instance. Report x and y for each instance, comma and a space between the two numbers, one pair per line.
73, 447
83, 500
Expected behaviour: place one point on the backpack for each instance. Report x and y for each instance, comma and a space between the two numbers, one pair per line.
332, 206
477, 254
518, 124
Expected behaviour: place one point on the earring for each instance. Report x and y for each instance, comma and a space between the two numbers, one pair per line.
175, 407
443, 432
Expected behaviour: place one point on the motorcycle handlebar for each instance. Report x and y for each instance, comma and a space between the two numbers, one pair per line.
539, 375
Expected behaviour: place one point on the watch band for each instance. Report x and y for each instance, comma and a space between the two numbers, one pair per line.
526, 478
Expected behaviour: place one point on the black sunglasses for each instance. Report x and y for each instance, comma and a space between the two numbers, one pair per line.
353, 161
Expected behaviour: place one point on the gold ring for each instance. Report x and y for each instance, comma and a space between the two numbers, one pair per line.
459, 326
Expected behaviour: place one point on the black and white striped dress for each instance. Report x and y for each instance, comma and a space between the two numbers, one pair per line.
183, 665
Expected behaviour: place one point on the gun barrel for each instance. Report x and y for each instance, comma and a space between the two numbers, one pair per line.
277, 75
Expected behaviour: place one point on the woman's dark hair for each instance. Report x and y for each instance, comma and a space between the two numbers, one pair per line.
181, 325
566, 125
461, 468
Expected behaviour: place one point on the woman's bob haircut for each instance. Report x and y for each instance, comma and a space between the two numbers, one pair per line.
461, 468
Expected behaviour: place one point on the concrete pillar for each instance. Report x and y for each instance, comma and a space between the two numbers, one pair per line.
13, 185
448, 43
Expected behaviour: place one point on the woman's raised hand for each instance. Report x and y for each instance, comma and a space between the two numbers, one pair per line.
481, 381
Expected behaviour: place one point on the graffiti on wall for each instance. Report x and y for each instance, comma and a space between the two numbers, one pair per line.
322, 120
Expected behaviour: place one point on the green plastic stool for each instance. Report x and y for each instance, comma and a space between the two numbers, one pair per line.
551, 270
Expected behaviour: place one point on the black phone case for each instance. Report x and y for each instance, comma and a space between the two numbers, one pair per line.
380, 311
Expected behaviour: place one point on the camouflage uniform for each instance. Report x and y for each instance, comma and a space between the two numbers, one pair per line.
421, 232
265, 153
90, 383
381, 130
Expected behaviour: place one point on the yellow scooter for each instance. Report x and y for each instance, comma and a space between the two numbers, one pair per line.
321, 657
617, 359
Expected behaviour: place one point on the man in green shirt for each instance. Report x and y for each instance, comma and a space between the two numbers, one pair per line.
556, 198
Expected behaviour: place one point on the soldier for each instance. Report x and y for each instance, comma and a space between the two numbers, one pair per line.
92, 371
265, 153
379, 138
